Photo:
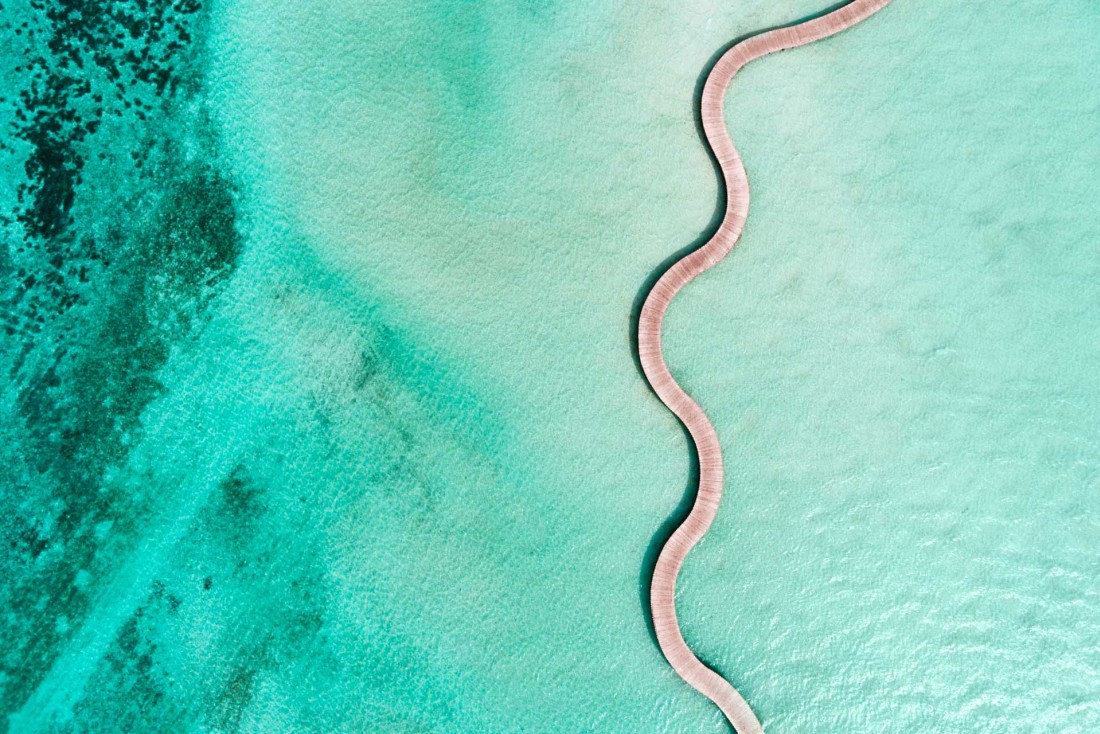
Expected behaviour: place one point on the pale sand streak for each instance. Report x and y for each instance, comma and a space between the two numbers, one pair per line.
663, 589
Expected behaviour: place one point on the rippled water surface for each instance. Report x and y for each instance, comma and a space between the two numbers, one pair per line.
319, 411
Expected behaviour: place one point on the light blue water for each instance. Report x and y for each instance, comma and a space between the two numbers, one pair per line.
359, 444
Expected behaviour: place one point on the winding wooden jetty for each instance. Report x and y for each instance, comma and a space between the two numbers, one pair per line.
663, 588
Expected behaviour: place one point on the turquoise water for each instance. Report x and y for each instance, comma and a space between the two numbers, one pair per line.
319, 407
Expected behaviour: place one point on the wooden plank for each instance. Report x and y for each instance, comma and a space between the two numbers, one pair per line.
709, 494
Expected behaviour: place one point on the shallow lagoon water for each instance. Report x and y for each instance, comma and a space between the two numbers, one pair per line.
399, 471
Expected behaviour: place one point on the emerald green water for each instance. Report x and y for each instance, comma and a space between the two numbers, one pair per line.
319, 408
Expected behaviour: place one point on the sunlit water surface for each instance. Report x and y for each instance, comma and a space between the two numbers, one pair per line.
340, 429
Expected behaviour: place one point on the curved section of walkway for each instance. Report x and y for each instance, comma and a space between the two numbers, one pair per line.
663, 589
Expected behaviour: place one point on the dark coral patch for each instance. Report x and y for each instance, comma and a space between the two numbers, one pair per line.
118, 229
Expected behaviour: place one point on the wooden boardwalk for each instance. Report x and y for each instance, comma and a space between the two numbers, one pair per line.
663, 589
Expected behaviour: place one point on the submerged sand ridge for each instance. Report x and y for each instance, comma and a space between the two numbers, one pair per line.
707, 446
